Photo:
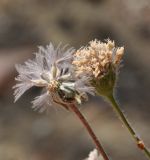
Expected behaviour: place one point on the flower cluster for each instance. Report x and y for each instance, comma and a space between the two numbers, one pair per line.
100, 61
51, 70
96, 58
66, 75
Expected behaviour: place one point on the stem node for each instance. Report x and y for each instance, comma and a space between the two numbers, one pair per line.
120, 114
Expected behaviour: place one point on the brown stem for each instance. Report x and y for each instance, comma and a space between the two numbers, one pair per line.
89, 129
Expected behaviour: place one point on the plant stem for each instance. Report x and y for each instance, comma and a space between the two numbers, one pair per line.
90, 131
139, 142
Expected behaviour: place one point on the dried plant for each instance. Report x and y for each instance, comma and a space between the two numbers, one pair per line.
52, 70
67, 77
100, 61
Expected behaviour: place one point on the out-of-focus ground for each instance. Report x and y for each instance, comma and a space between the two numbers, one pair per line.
24, 25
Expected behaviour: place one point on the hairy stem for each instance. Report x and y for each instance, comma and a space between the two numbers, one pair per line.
89, 129
139, 142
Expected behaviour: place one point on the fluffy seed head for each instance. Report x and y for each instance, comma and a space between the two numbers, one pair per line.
94, 155
53, 72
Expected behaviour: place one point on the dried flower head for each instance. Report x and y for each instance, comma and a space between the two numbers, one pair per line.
94, 155
97, 58
100, 61
51, 70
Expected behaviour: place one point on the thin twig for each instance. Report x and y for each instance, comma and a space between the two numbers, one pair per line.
139, 142
90, 131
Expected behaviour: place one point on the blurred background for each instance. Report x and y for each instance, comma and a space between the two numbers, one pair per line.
26, 24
